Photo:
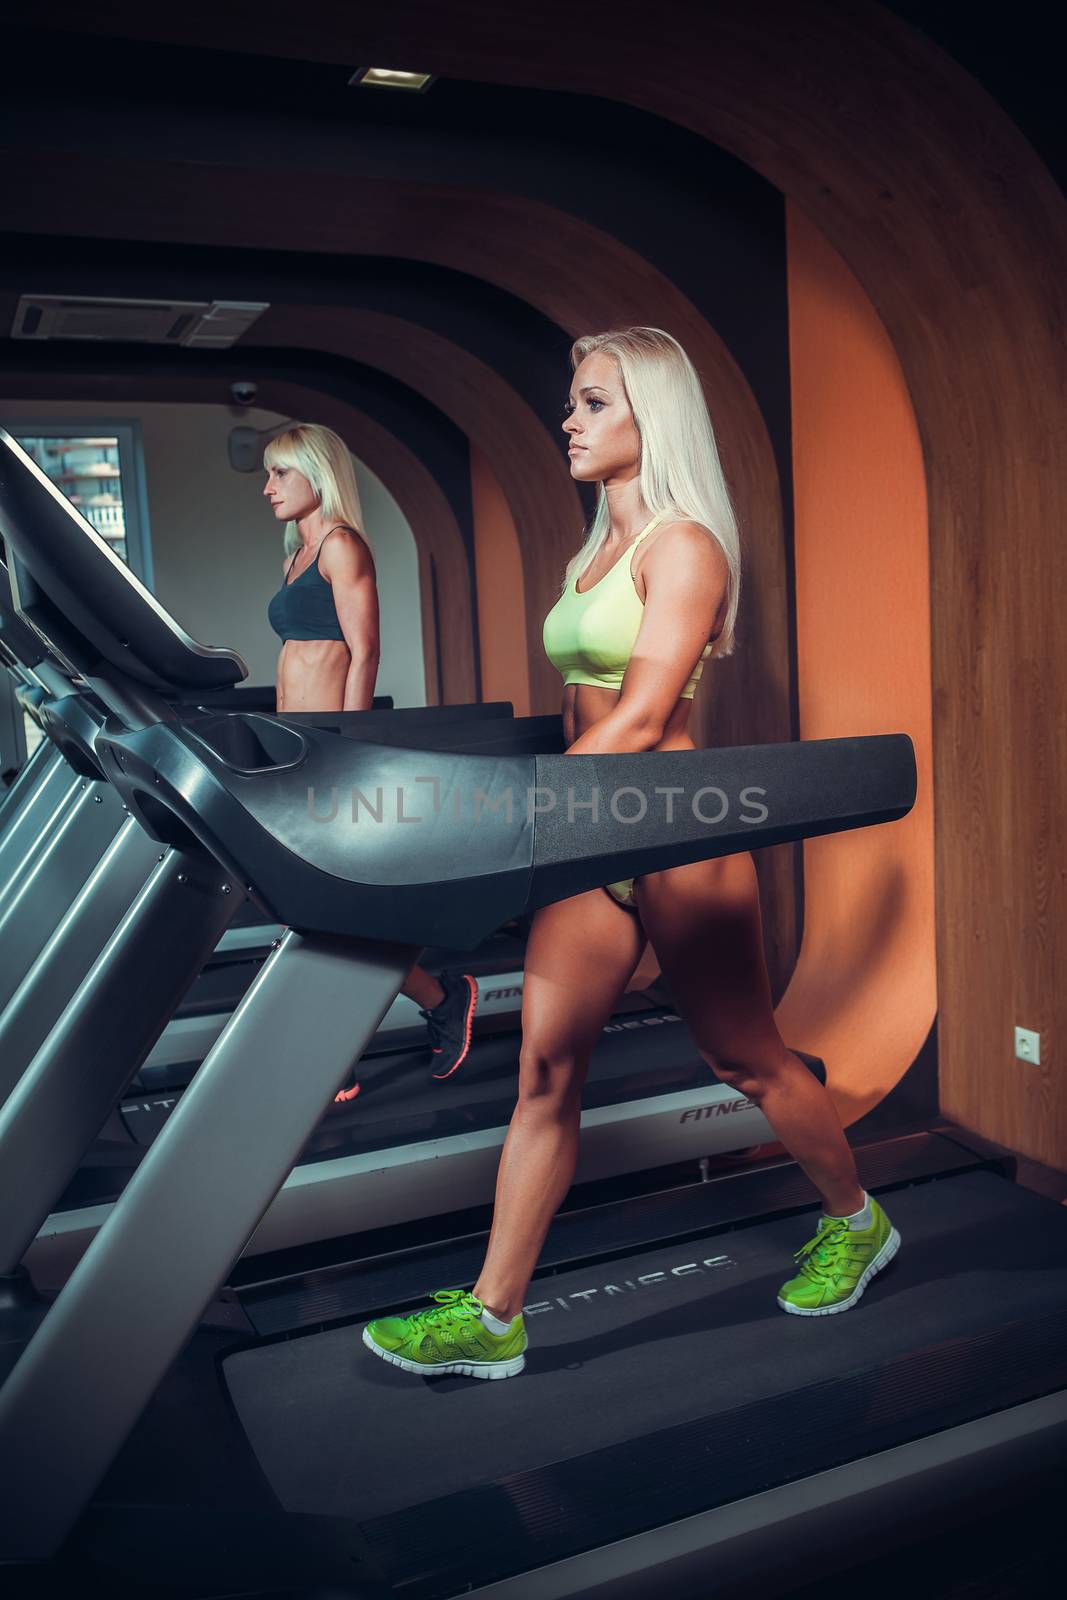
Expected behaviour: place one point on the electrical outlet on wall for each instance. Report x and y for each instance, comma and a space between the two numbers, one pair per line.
1027, 1046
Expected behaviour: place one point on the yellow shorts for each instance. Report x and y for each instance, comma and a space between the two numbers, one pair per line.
623, 893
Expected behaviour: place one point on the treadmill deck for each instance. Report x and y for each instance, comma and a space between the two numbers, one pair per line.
662, 1384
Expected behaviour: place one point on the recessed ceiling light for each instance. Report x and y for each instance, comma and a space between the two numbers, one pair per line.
391, 78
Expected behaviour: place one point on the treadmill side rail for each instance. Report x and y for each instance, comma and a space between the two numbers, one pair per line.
63, 963
24, 789
29, 830
107, 1030
42, 894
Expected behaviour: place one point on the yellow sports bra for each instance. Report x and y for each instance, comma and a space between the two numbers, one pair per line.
590, 637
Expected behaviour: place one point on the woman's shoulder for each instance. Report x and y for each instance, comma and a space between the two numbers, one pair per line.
343, 531
685, 528
684, 539
346, 547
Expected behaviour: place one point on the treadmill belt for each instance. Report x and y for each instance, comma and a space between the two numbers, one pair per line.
662, 1384
644, 1053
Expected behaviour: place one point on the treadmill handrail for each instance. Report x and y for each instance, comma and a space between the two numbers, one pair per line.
440, 846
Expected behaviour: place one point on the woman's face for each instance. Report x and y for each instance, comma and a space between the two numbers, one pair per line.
289, 493
605, 445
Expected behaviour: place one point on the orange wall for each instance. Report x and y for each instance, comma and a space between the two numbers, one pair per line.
501, 598
863, 994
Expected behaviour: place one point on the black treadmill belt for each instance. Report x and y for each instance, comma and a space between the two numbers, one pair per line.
223, 984
640, 1054
684, 1389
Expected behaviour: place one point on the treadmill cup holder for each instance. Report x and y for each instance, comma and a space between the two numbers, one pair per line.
247, 742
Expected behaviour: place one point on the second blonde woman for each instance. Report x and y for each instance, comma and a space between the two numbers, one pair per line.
326, 615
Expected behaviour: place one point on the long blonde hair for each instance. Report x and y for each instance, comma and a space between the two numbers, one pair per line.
325, 462
680, 472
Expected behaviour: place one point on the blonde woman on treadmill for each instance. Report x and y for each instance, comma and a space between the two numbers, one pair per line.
326, 615
649, 598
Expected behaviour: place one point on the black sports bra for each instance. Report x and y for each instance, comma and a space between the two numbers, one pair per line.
305, 609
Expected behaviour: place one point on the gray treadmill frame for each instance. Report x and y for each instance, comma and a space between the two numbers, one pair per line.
183, 1220
41, 894
25, 831
53, 978
30, 769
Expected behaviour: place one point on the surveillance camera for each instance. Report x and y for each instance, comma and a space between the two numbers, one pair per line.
244, 392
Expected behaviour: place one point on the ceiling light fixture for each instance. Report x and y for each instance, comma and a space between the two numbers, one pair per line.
391, 78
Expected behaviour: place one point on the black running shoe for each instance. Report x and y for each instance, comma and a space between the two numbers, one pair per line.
449, 1023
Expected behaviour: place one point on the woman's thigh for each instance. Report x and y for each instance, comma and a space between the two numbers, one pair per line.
580, 955
704, 923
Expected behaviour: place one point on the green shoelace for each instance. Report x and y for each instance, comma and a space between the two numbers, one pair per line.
450, 1303
818, 1257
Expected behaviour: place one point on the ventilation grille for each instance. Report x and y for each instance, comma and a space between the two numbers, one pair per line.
204, 324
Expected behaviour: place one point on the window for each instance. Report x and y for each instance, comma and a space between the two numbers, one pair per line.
99, 466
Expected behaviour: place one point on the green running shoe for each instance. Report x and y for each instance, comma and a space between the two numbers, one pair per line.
448, 1336
837, 1265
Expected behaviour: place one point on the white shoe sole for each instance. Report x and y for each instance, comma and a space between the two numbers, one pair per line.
882, 1259
457, 1369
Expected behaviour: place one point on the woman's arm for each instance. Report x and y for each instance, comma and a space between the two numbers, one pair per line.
347, 564
685, 575
279, 699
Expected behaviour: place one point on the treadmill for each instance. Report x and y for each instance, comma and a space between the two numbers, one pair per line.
261, 1451
650, 1099
63, 836
648, 1102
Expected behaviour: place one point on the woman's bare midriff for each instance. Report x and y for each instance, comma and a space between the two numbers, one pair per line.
584, 705
312, 674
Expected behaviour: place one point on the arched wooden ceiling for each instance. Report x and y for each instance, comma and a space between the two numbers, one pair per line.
691, 209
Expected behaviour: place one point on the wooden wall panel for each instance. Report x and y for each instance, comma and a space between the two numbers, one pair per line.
864, 993
501, 590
